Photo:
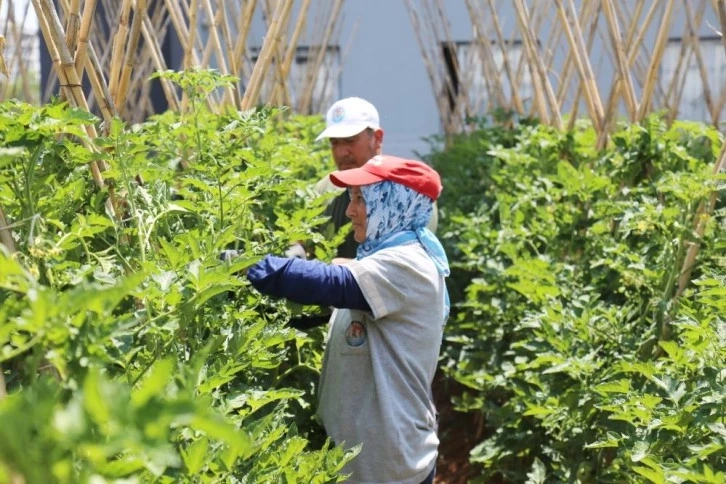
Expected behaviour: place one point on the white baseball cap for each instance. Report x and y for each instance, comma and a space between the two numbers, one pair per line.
348, 117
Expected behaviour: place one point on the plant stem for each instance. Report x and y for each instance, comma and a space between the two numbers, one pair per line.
3, 388
130, 198
294, 369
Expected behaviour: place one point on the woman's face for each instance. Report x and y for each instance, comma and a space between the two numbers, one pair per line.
356, 212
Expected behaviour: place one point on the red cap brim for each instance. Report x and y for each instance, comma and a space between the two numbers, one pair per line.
354, 178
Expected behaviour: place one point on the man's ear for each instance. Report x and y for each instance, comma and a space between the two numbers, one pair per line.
378, 136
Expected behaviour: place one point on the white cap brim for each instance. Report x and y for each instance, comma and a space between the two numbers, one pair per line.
343, 131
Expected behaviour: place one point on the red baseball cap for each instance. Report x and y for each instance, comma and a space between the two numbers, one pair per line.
411, 173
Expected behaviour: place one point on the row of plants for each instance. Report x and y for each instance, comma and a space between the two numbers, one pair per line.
128, 349
591, 345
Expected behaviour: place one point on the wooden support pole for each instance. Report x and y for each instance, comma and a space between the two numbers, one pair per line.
587, 78
263, 61
6, 236
89, 11
626, 83
516, 101
67, 74
652, 75
307, 96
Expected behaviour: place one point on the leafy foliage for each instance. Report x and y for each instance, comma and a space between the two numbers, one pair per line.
586, 362
129, 350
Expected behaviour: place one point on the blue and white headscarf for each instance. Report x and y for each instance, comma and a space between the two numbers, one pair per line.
398, 215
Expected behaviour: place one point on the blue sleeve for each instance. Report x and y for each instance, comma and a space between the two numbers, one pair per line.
307, 282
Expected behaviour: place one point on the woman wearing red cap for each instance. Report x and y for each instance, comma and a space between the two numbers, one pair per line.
384, 337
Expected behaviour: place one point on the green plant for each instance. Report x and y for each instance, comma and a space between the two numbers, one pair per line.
128, 349
570, 264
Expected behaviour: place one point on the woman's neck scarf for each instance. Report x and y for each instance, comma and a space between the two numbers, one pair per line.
398, 215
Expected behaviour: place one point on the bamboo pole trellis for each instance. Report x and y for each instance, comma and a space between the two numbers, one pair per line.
102, 53
628, 80
117, 44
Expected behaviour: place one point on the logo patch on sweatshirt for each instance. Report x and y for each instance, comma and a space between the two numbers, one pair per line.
355, 334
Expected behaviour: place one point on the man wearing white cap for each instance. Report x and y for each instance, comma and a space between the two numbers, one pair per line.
354, 130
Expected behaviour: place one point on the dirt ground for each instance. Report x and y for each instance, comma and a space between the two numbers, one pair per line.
457, 433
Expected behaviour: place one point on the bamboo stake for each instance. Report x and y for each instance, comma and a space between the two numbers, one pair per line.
6, 236
22, 62
234, 69
292, 46
652, 75
719, 106
183, 33
53, 51
447, 93
208, 49
3, 389
278, 92
579, 55
552, 44
590, 41
307, 95
452, 101
17, 34
699, 59
117, 51
530, 54
130, 58
98, 85
704, 212
244, 28
451, 107
643, 28
635, 25
569, 66
65, 68
263, 61
544, 94
158, 59
721, 8
217, 43
523, 67
268, 11
462, 103
188, 63
327, 101
89, 10
639, 64
73, 25
516, 101
624, 72
428, 63
676, 83
690, 44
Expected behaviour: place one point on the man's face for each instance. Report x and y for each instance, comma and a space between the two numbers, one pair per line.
355, 151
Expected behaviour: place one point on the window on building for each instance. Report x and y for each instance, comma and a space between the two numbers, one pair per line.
472, 77
692, 104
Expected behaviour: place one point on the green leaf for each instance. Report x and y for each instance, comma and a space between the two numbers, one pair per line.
538, 474
654, 476
195, 455
620, 386
640, 451
154, 383
217, 428
95, 398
